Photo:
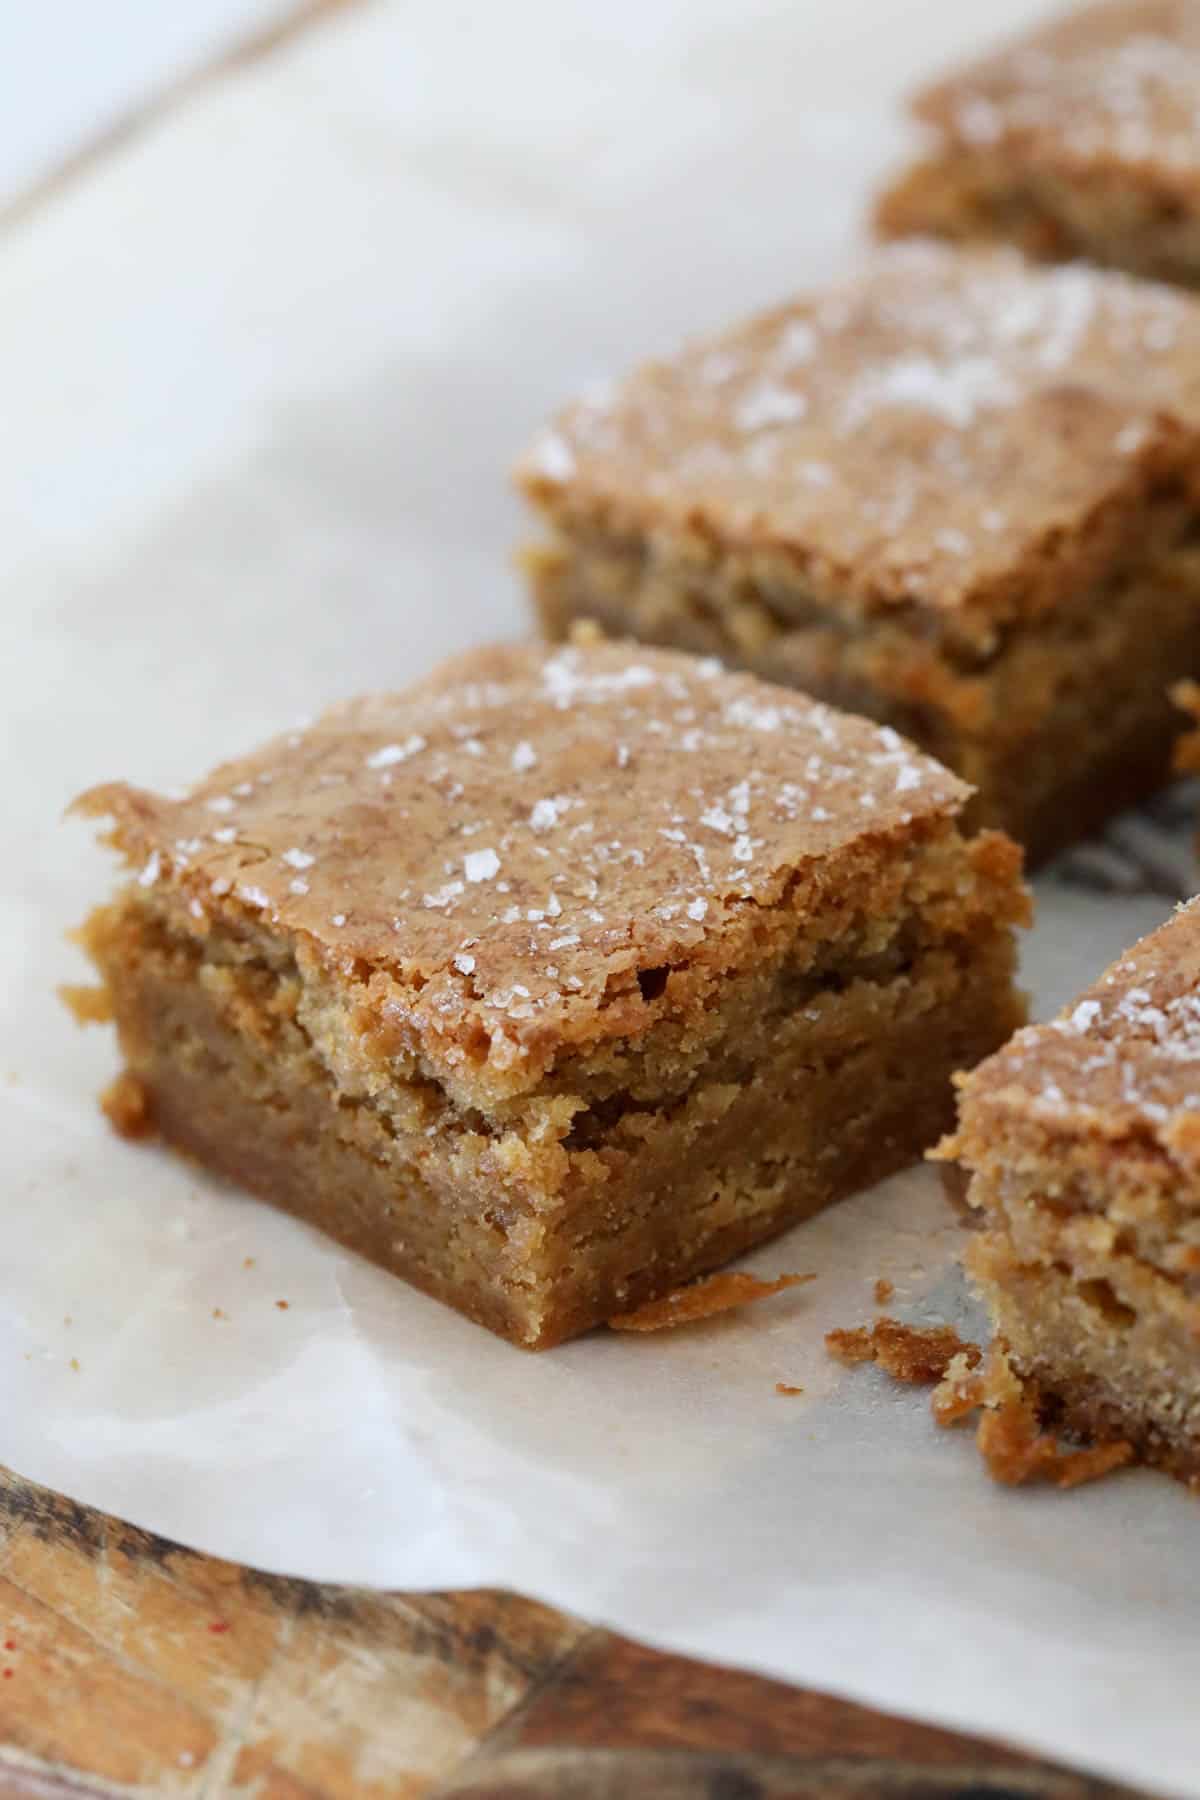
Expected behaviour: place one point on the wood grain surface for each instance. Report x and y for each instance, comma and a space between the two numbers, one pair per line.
129, 1666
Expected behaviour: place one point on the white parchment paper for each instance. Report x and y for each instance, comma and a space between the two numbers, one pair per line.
262, 374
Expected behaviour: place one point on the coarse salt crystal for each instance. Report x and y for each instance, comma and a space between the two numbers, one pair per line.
552, 457
547, 813
220, 803
524, 757
717, 819
298, 859
766, 404
444, 895
464, 964
298, 885
480, 865
387, 754
150, 873
697, 909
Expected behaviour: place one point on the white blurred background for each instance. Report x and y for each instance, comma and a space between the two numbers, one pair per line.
71, 70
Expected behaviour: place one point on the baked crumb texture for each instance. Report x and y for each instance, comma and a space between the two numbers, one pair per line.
560, 979
910, 1353
1080, 139
957, 494
704, 1299
1082, 1139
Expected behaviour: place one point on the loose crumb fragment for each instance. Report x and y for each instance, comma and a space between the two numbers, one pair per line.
785, 1387
75, 1364
88, 1005
218, 1312
914, 1353
884, 1289
282, 1305
959, 1392
702, 1299
1009, 1436
248, 1262
126, 1105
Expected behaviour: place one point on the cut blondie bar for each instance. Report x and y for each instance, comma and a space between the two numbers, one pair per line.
560, 978
958, 494
1080, 139
1082, 1138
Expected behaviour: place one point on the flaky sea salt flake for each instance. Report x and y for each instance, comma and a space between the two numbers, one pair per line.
388, 754
480, 865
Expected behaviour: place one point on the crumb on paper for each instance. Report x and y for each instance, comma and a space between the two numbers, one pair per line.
1009, 1436
218, 1312
125, 1103
702, 1300
87, 1005
786, 1387
913, 1353
75, 1364
248, 1262
959, 1392
883, 1290
282, 1305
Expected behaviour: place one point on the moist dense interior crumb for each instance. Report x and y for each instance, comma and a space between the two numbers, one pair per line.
583, 1100
1044, 701
619, 1172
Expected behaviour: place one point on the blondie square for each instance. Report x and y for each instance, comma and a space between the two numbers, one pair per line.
1082, 1139
1080, 139
956, 493
561, 977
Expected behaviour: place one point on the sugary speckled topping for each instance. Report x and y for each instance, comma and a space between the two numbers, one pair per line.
1113, 84
915, 434
1125, 1055
502, 833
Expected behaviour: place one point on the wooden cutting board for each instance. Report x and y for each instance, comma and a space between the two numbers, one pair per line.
129, 1666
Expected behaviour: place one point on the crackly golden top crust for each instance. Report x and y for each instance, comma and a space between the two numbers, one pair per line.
1114, 86
950, 429
506, 834
1123, 1059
